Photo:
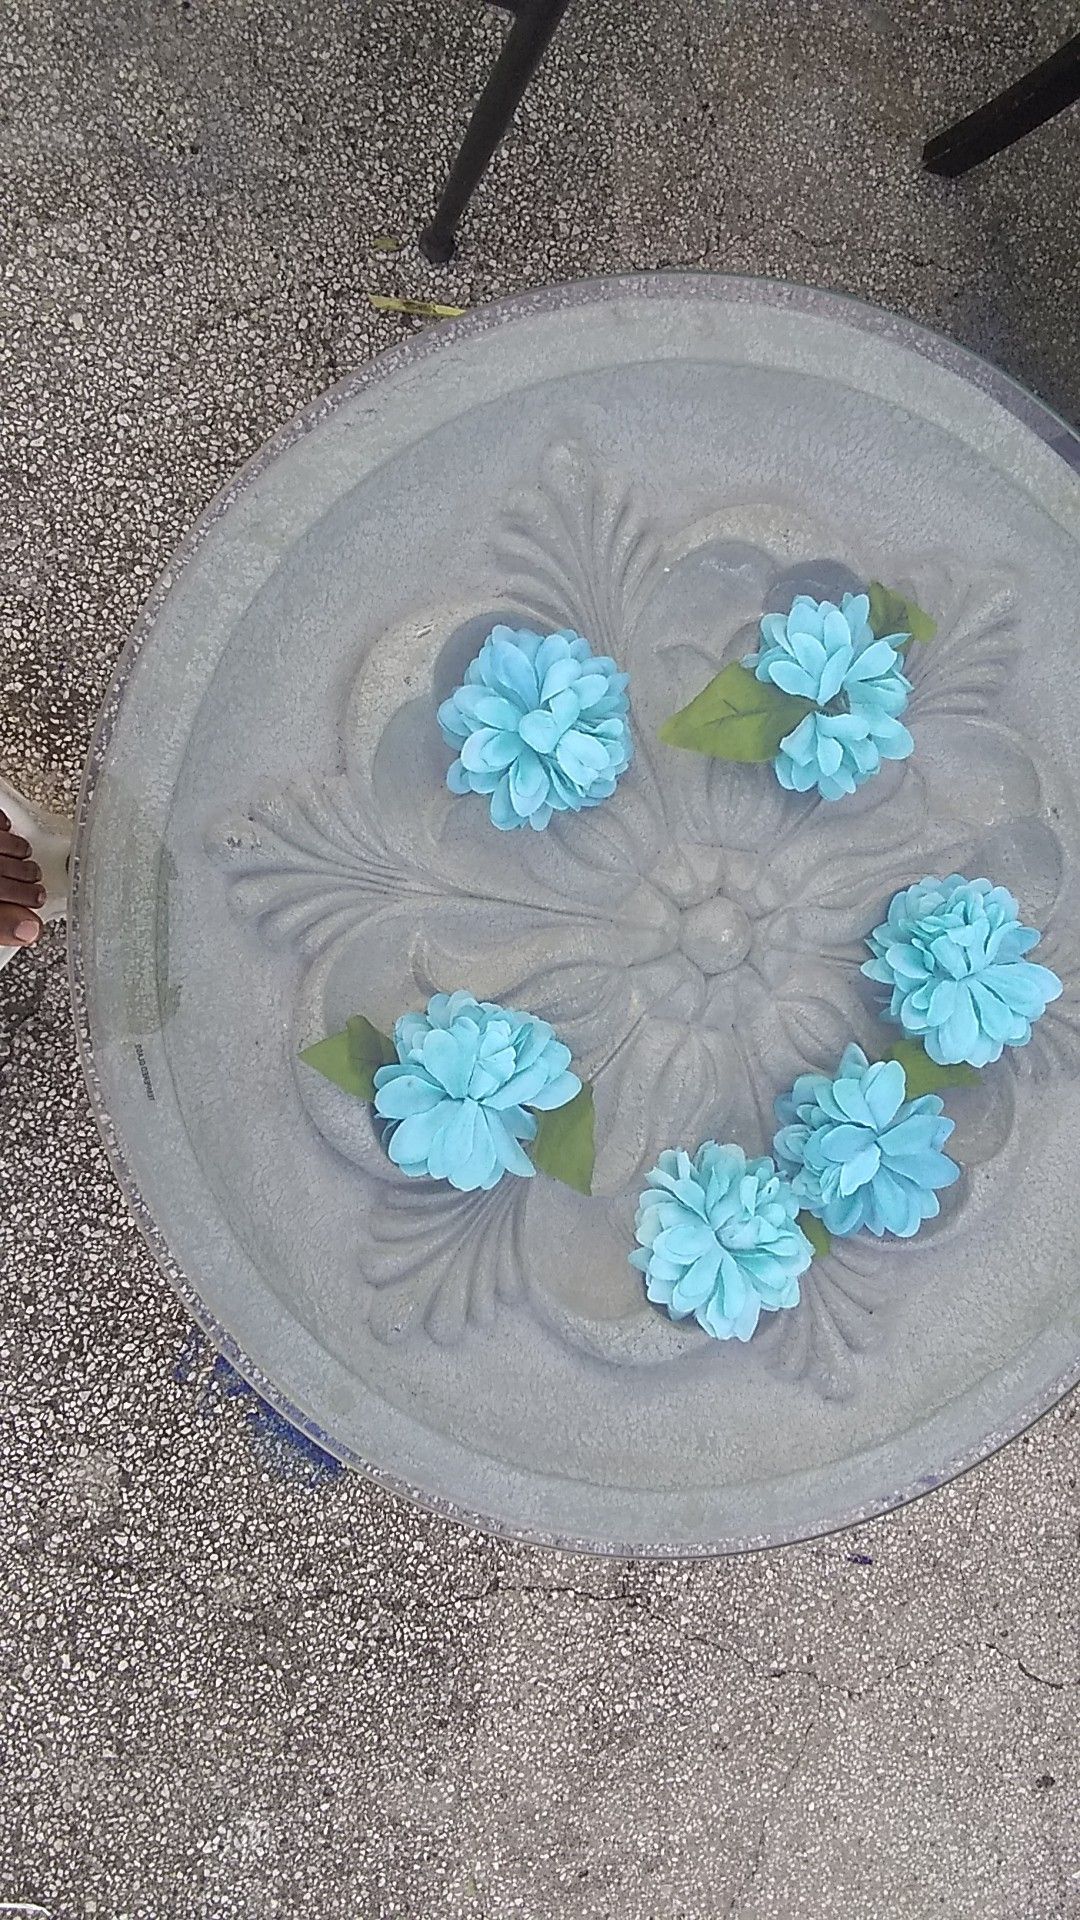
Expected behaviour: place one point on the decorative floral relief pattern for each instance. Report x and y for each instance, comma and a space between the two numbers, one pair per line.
696, 941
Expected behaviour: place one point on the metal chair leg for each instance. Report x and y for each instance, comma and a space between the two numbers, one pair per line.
1036, 98
534, 24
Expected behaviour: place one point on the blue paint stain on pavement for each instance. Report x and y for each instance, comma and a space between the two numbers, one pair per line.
279, 1446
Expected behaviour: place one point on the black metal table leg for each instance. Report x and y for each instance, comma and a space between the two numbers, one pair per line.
1036, 98
534, 23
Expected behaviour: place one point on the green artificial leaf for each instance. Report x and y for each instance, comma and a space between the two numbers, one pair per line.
349, 1059
923, 1075
891, 613
369, 1048
333, 1059
736, 717
564, 1144
816, 1231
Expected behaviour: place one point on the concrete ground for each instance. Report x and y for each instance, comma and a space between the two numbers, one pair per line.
234, 1687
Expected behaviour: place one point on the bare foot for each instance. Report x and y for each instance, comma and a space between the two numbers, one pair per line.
22, 891
34, 850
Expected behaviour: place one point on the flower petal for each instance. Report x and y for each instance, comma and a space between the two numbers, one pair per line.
412, 1139
884, 1086
402, 1092
540, 730
791, 678
514, 672
834, 673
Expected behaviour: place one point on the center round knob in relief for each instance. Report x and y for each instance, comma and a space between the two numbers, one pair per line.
715, 935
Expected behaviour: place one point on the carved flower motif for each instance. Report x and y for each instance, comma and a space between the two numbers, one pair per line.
696, 942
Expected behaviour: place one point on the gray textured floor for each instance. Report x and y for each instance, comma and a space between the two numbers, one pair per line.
231, 1689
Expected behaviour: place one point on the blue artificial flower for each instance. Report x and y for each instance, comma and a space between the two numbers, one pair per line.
467, 1070
859, 1154
830, 655
540, 725
718, 1239
952, 951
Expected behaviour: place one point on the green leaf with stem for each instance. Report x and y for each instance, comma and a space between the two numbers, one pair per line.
736, 717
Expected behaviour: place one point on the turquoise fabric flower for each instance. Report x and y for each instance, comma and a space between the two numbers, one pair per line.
718, 1239
457, 1100
539, 725
829, 654
858, 1153
952, 952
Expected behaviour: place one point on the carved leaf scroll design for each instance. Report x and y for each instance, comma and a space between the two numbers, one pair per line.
305, 862
841, 1314
579, 552
440, 1260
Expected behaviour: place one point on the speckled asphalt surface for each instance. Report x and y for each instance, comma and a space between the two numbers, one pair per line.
233, 1687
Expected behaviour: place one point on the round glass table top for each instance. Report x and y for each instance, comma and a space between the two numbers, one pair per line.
267, 846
